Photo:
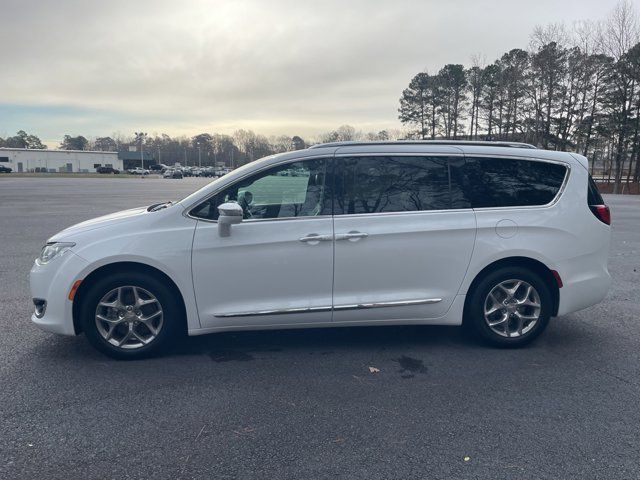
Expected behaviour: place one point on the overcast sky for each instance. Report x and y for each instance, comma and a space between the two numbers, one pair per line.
96, 67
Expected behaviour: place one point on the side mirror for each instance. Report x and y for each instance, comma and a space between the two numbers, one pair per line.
230, 213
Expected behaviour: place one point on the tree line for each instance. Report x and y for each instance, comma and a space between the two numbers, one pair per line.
574, 89
241, 147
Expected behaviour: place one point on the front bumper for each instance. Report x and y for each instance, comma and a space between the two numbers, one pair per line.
52, 283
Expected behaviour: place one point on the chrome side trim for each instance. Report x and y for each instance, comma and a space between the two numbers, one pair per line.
274, 312
395, 303
353, 306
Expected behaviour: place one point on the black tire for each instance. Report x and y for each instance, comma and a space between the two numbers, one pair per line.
475, 308
172, 316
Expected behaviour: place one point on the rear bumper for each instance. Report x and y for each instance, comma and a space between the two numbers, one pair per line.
583, 288
52, 283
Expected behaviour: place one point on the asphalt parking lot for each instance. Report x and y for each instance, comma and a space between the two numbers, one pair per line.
304, 404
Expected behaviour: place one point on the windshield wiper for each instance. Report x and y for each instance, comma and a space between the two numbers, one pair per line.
158, 206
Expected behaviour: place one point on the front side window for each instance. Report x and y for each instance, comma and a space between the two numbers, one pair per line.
480, 182
292, 190
391, 184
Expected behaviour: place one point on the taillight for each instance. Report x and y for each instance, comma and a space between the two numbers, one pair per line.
602, 213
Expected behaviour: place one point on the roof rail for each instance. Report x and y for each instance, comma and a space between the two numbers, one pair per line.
426, 142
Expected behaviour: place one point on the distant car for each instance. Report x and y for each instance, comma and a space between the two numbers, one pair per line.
112, 170
172, 174
139, 171
4, 169
208, 172
158, 167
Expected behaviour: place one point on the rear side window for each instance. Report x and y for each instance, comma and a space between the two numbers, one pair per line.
594, 197
391, 184
480, 182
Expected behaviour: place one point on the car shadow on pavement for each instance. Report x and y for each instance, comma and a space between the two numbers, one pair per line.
565, 335
229, 346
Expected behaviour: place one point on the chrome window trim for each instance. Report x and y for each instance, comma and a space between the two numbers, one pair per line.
408, 212
352, 306
555, 199
561, 190
187, 210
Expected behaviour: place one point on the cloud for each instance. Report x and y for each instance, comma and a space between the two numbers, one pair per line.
278, 67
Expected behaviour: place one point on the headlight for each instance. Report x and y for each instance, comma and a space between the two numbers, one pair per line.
52, 250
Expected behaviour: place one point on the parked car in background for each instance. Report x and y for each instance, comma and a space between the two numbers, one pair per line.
110, 170
157, 168
4, 169
500, 236
208, 172
138, 171
170, 173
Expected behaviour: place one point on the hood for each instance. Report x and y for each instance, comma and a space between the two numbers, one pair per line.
100, 222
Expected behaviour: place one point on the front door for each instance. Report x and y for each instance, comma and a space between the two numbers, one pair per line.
276, 267
401, 251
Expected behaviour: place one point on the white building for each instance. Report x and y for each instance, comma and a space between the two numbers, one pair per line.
54, 161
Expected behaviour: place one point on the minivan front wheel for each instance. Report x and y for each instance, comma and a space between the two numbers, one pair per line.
509, 307
130, 315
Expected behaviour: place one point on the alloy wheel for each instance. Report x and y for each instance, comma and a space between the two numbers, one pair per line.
129, 317
512, 308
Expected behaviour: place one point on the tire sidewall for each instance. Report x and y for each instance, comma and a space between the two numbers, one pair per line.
475, 308
172, 317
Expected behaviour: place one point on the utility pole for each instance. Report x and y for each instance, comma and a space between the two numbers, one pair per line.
199, 155
140, 136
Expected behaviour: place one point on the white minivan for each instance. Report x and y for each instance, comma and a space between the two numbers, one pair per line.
500, 236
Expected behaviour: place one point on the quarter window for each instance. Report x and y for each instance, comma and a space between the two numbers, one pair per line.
391, 184
292, 190
495, 182
594, 197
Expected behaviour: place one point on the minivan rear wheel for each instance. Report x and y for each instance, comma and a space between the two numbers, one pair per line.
130, 316
509, 307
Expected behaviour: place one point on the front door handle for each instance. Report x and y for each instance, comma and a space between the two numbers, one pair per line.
314, 238
354, 235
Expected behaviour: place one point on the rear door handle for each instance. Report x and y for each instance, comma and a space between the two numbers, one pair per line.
351, 235
315, 238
